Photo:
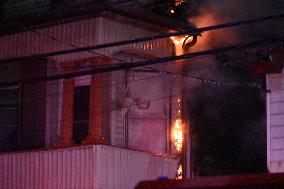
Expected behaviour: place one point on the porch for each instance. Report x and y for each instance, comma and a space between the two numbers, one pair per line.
83, 167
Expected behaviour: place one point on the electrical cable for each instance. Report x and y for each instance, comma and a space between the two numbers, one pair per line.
130, 65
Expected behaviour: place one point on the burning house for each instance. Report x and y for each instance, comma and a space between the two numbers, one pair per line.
66, 122
77, 109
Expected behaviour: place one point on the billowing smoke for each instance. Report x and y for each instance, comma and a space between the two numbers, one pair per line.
228, 123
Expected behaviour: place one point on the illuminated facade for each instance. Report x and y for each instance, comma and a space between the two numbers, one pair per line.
66, 119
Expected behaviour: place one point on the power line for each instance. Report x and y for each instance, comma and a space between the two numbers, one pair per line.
130, 65
163, 73
213, 81
143, 39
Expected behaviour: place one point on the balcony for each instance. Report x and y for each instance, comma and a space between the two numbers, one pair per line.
86, 167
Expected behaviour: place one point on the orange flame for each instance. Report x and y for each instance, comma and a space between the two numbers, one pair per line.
179, 42
179, 173
178, 135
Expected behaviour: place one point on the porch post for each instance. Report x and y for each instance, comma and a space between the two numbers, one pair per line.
66, 129
96, 106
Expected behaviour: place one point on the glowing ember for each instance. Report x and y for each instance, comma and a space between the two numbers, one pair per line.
178, 135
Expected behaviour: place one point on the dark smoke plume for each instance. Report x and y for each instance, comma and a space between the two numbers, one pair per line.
228, 124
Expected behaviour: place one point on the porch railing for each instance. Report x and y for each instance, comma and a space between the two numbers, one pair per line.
86, 167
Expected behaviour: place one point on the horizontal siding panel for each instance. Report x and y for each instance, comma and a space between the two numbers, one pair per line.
277, 132
277, 156
277, 108
277, 96
276, 167
277, 84
277, 143
277, 120
276, 76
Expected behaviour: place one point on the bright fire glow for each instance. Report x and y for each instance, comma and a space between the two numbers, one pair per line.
180, 42
178, 135
177, 40
178, 2
179, 173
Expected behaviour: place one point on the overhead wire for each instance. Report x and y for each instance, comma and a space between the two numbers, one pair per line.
213, 81
130, 65
76, 47
70, 44
166, 97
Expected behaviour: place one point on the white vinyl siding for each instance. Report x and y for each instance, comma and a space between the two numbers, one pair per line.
275, 122
88, 167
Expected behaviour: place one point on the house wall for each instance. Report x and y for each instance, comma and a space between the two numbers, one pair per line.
53, 94
52, 38
87, 32
91, 31
275, 122
119, 30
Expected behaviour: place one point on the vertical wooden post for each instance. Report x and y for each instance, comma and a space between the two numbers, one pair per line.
96, 106
67, 111
95, 111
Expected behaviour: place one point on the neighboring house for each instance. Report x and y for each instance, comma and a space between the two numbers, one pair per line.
107, 130
274, 109
275, 120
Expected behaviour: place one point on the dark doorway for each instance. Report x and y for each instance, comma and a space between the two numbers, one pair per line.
81, 113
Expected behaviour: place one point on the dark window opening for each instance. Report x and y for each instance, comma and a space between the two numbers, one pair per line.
9, 119
81, 113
